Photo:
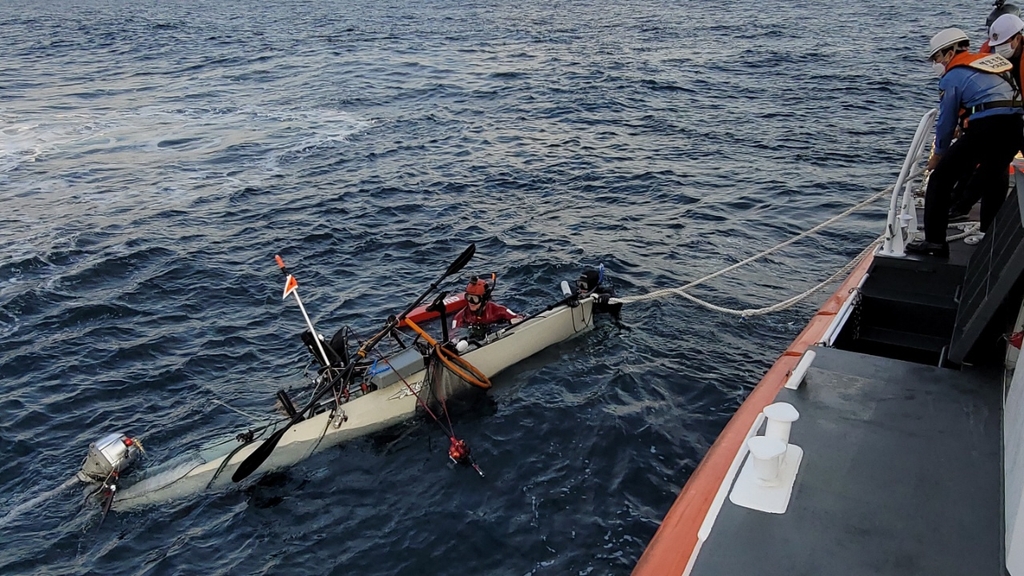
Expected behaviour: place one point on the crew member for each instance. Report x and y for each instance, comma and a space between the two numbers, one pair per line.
971, 92
1005, 38
480, 311
590, 283
1001, 9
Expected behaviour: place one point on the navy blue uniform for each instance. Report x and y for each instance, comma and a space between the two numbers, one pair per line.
988, 141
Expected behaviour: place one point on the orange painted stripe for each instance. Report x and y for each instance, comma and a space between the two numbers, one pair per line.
676, 539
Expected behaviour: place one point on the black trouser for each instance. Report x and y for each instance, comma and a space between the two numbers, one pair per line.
966, 194
986, 148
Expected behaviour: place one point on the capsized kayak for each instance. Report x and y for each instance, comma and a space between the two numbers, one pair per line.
393, 401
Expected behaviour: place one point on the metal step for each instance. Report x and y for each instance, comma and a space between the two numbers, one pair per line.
901, 293
933, 277
908, 307
899, 345
922, 314
903, 339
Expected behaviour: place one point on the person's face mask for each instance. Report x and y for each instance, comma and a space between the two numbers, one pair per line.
1005, 50
938, 68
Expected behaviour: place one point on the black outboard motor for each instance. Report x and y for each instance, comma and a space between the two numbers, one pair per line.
590, 283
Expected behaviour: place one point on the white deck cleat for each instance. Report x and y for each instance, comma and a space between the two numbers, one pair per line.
766, 480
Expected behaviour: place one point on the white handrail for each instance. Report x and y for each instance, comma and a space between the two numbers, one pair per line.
893, 244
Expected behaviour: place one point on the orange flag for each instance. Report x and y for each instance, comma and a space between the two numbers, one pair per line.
289, 286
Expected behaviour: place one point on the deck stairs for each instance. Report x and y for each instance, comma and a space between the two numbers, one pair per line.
936, 311
907, 309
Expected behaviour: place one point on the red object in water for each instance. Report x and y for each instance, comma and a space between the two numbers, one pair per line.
458, 450
1016, 339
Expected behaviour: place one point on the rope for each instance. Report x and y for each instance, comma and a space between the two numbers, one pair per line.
230, 407
461, 367
969, 229
681, 291
458, 451
449, 431
845, 270
457, 364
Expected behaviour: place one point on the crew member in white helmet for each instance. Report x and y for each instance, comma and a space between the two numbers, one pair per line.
974, 95
1004, 36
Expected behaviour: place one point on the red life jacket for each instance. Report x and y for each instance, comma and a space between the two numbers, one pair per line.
489, 314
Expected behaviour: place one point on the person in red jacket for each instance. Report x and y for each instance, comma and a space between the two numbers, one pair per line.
480, 311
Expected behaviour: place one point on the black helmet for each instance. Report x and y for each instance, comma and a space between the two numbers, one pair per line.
1001, 8
588, 280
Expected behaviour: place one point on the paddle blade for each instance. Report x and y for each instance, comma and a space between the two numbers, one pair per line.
259, 456
461, 261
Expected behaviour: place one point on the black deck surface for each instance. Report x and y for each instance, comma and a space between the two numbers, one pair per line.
900, 475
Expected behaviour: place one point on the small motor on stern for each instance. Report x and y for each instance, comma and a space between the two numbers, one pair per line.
108, 456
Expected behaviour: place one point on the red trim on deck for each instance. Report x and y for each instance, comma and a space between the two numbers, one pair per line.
669, 552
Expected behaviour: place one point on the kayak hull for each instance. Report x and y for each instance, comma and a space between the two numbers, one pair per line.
211, 468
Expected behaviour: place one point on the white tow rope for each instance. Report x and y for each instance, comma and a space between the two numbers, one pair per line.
681, 291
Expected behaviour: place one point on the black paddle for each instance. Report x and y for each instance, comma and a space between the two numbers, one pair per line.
260, 455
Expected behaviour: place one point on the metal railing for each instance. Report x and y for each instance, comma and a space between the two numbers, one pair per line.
901, 224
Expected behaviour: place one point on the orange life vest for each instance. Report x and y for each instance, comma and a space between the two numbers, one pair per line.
991, 63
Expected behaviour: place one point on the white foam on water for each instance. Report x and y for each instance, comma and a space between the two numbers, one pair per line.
62, 174
113, 156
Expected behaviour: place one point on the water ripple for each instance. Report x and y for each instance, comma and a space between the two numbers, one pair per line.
152, 162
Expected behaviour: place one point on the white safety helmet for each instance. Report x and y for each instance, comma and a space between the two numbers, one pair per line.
945, 39
1005, 27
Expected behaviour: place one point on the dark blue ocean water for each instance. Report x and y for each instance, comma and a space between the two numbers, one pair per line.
154, 156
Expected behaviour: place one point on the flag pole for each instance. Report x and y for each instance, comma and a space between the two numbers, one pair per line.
291, 286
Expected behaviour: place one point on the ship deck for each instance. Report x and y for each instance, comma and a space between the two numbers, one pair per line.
898, 449
900, 475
